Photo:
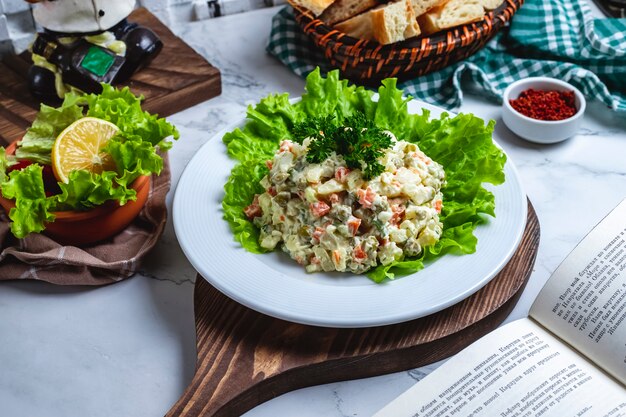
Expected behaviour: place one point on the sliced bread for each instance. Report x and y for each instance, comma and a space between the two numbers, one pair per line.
422, 6
342, 10
315, 6
395, 22
450, 14
491, 4
385, 24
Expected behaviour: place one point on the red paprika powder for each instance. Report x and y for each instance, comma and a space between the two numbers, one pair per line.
545, 105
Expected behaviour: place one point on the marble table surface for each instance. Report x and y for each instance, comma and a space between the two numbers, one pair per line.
128, 349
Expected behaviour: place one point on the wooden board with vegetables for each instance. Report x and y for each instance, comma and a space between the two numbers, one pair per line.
177, 79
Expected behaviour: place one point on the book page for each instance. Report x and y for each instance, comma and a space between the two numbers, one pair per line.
518, 370
584, 302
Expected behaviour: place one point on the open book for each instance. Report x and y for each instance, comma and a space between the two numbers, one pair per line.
568, 358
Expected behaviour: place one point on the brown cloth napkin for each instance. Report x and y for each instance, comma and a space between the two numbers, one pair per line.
41, 258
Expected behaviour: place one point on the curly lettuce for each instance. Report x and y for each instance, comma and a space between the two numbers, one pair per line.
135, 151
462, 144
32, 208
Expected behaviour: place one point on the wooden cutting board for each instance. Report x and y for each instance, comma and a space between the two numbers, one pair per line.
245, 358
178, 78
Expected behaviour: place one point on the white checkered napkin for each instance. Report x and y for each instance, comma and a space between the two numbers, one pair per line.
41, 258
557, 38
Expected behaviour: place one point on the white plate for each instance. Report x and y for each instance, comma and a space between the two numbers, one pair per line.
275, 285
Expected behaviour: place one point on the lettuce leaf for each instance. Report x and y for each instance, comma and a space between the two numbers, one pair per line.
86, 190
123, 109
332, 95
462, 144
134, 159
4, 165
32, 208
36, 145
135, 151
241, 187
269, 122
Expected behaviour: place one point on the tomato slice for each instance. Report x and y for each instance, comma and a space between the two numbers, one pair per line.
19, 166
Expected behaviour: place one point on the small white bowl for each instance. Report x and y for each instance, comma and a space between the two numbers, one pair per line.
541, 131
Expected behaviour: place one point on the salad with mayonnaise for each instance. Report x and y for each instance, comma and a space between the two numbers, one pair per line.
329, 218
343, 180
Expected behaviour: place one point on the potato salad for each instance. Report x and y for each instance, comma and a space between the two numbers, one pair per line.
327, 217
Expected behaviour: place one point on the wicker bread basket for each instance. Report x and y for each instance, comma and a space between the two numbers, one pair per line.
367, 62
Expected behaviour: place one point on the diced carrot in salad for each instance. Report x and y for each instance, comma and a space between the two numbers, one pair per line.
318, 233
359, 254
286, 146
253, 210
366, 197
398, 213
422, 157
353, 225
336, 256
319, 208
341, 173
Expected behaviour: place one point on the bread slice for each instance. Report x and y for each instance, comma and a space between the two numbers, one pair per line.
491, 4
422, 6
342, 10
395, 22
360, 27
315, 6
450, 14
385, 24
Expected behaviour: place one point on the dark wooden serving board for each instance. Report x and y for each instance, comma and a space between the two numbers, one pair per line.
178, 78
245, 358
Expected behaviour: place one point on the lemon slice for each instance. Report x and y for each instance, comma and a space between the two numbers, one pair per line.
80, 145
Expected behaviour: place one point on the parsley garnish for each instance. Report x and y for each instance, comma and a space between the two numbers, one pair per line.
358, 140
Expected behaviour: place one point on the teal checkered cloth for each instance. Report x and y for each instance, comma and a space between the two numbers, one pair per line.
556, 38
